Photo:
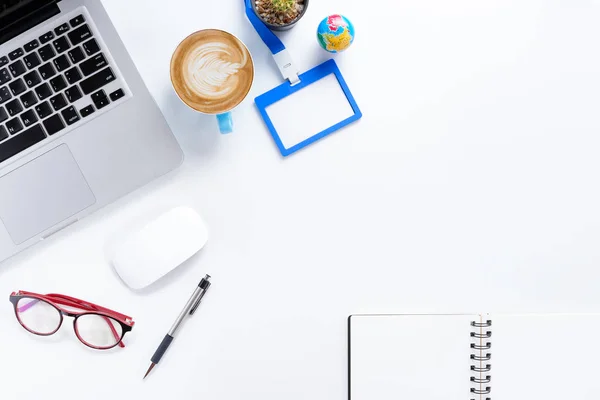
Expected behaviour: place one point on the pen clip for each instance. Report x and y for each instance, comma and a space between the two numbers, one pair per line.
203, 285
197, 303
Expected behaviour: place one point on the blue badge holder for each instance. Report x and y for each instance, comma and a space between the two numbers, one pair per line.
294, 83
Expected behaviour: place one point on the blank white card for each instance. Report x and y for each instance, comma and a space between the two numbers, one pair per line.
310, 111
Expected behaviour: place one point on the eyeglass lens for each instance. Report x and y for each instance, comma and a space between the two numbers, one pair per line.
38, 316
98, 331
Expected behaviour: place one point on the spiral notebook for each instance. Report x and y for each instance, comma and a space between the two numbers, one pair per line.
474, 357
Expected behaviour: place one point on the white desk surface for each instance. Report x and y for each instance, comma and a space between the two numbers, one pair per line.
471, 183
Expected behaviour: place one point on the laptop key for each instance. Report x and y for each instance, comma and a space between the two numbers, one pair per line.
14, 126
29, 118
101, 102
46, 52
61, 44
97, 80
32, 79
17, 87
4, 76
70, 115
62, 63
32, 60
80, 34
58, 101
17, 68
21, 142
14, 107
34, 44
78, 20
4, 94
73, 94
94, 64
47, 71
4, 60
54, 124
13, 55
87, 110
100, 94
3, 114
91, 47
73, 75
76, 55
43, 91
3, 133
43, 110
61, 29
58, 83
46, 37
29, 99
117, 94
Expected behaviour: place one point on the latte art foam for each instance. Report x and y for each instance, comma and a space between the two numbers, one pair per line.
212, 71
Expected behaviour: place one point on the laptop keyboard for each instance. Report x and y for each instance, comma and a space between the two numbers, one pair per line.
53, 83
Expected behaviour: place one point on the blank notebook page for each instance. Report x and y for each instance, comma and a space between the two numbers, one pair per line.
549, 357
411, 357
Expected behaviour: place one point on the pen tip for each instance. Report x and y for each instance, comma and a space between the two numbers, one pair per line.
149, 369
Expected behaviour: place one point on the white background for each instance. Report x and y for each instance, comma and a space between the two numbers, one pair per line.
471, 183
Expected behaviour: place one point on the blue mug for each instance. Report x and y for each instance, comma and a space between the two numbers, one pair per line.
212, 72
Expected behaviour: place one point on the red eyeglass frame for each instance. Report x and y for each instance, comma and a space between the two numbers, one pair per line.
57, 300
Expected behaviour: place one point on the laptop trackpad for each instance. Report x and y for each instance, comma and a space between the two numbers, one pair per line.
42, 193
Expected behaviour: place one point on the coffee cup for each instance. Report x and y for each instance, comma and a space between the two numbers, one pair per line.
212, 72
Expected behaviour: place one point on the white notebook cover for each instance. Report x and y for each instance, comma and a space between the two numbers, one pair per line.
429, 357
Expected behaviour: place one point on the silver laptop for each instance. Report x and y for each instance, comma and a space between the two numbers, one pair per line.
78, 127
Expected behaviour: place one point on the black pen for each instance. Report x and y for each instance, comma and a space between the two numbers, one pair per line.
189, 309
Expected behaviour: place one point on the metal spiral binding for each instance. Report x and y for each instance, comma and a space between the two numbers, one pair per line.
481, 356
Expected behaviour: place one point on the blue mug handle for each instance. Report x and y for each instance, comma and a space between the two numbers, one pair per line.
225, 122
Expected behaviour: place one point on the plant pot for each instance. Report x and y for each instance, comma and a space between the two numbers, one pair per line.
280, 27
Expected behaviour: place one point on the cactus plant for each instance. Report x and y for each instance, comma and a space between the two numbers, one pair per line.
279, 12
284, 6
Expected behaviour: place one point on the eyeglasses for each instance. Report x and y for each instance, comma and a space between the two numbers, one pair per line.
96, 327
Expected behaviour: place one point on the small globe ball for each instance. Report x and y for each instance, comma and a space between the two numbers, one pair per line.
335, 33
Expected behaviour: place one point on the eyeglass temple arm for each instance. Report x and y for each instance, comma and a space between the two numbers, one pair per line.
87, 304
73, 302
78, 303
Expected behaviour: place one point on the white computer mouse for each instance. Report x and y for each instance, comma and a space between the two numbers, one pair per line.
148, 254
